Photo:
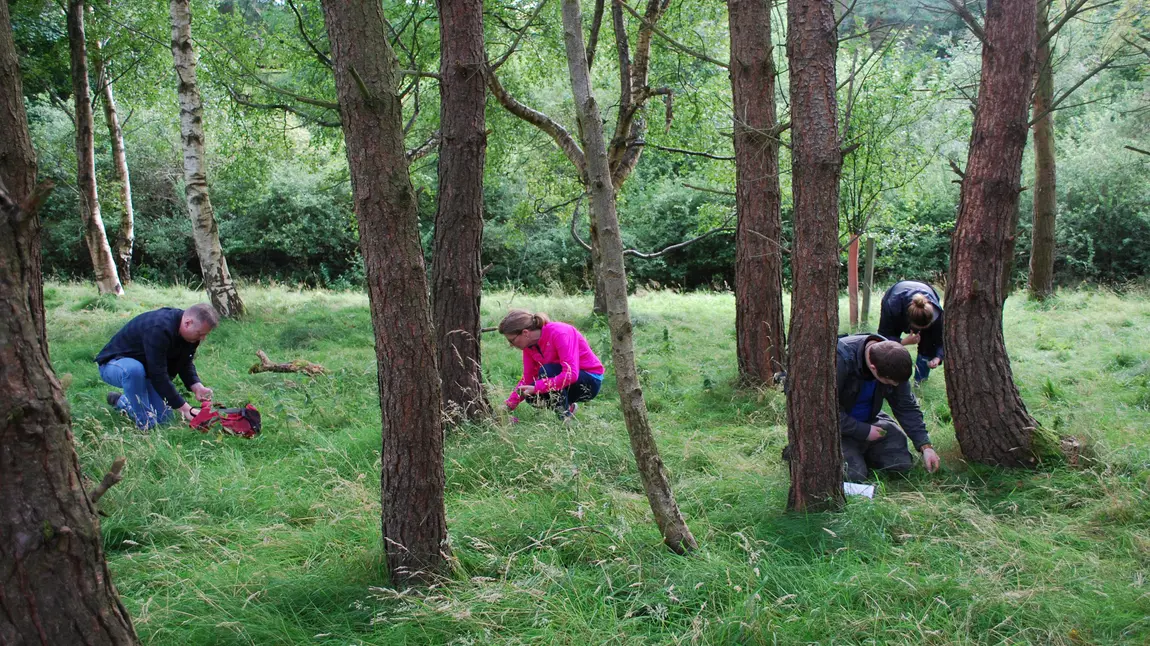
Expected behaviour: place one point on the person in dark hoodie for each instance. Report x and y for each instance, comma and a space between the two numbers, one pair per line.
869, 370
914, 308
145, 354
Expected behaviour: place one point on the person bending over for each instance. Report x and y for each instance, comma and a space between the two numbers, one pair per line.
559, 368
145, 354
913, 308
869, 370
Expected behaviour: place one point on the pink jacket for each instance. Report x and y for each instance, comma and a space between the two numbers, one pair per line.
559, 343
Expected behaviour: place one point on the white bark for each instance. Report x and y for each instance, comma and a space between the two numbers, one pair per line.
205, 233
126, 237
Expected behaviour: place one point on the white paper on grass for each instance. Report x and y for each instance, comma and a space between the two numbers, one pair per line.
856, 489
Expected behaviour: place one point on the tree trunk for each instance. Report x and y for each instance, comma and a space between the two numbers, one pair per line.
18, 160
55, 587
456, 275
126, 237
107, 280
366, 75
853, 280
761, 343
868, 280
667, 515
990, 419
812, 398
1045, 207
205, 233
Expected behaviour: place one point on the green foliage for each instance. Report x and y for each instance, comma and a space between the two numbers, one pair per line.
216, 540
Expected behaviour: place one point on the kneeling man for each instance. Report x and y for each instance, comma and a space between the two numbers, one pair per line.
144, 356
871, 369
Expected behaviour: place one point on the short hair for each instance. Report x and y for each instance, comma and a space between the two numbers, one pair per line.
518, 320
891, 360
204, 313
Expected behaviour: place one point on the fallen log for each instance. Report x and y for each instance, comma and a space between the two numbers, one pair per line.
299, 365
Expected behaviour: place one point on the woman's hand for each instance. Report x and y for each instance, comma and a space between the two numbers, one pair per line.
525, 390
911, 339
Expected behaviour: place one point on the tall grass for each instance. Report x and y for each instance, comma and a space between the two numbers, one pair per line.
216, 540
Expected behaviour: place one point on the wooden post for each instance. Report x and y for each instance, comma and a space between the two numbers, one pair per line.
868, 279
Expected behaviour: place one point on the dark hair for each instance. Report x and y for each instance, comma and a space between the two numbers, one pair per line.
920, 311
518, 320
203, 313
891, 360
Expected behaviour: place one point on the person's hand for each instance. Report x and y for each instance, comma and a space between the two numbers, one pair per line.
525, 390
876, 434
202, 392
911, 339
187, 412
934, 363
930, 459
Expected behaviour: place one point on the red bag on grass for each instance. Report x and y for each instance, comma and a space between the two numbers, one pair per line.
244, 422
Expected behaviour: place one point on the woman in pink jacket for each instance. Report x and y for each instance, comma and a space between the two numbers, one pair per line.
559, 367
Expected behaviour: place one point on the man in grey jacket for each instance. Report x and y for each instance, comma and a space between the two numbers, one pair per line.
871, 369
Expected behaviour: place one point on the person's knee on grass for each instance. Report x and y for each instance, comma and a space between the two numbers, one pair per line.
559, 368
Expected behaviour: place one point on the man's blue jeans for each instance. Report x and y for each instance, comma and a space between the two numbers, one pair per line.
139, 399
922, 368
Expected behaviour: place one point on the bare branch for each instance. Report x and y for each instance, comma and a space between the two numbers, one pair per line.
319, 103
675, 247
518, 37
709, 190
596, 25
574, 222
954, 167
1062, 97
110, 479
1074, 10
676, 45
695, 153
322, 57
558, 133
1137, 150
424, 149
246, 101
968, 18
847, 10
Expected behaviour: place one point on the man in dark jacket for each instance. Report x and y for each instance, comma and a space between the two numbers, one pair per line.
869, 370
903, 311
145, 354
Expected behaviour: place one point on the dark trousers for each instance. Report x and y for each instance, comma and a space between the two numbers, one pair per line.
584, 389
888, 453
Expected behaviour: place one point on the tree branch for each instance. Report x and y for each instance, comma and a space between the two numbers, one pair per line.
110, 479
709, 190
424, 149
968, 18
558, 133
243, 100
695, 153
675, 247
1062, 97
518, 37
596, 25
676, 45
1137, 150
323, 58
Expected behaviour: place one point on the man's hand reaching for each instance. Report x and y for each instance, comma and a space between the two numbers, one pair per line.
202, 392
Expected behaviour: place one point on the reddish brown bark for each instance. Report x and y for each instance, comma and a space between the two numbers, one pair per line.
107, 280
456, 277
54, 583
657, 485
761, 343
990, 420
853, 280
812, 400
1045, 207
18, 158
414, 517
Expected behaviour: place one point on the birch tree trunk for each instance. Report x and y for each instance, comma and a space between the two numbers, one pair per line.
761, 343
18, 161
55, 587
205, 233
107, 280
412, 480
126, 236
654, 475
1045, 204
456, 275
812, 398
990, 420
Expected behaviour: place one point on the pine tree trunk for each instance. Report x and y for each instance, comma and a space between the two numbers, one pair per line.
413, 481
853, 281
107, 280
205, 233
18, 160
761, 343
990, 419
55, 587
812, 398
456, 276
868, 280
654, 475
1045, 206
126, 237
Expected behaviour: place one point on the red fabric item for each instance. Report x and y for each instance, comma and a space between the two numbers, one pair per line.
243, 422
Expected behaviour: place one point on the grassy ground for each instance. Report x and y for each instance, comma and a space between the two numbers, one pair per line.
217, 540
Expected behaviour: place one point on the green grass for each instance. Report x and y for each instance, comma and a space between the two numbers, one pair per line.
217, 540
